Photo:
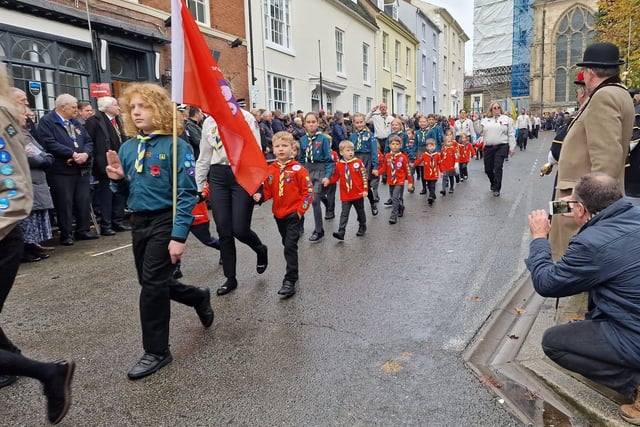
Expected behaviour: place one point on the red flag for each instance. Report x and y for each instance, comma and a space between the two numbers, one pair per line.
197, 80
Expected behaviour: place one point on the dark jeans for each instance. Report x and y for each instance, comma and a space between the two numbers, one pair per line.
232, 209
289, 228
583, 347
346, 209
494, 156
11, 247
523, 135
150, 237
71, 197
331, 198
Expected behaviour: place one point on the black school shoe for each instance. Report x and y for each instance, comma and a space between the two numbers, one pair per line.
263, 259
204, 309
229, 285
7, 380
316, 237
58, 390
287, 290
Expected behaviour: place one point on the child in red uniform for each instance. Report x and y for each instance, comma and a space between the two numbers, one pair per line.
430, 161
289, 184
200, 226
466, 150
353, 188
396, 166
448, 160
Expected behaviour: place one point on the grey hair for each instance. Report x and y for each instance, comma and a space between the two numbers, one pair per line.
606, 71
105, 102
597, 191
65, 99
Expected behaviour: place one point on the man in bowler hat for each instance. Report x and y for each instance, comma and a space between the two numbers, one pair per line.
598, 138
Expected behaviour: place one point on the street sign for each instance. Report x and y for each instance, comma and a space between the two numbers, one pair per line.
96, 90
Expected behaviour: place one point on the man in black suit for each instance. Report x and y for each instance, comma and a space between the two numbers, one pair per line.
106, 131
63, 136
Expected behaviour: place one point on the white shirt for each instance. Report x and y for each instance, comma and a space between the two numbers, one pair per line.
464, 126
498, 130
523, 122
209, 155
381, 125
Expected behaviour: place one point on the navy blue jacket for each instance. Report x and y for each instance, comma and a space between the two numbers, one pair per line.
54, 138
602, 259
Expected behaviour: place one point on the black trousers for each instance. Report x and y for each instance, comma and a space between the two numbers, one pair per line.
232, 209
71, 196
17, 364
431, 187
289, 228
151, 233
346, 209
494, 156
111, 204
584, 348
11, 248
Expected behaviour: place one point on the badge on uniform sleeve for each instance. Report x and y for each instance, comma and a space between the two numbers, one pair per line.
296, 168
11, 130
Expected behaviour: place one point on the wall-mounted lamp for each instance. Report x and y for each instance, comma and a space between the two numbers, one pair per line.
165, 79
237, 42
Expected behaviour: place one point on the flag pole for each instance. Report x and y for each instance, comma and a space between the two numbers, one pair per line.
175, 160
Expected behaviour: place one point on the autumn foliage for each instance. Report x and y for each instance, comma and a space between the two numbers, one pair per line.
618, 21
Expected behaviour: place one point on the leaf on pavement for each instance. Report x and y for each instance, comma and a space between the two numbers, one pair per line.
520, 310
575, 317
391, 366
490, 381
513, 337
476, 299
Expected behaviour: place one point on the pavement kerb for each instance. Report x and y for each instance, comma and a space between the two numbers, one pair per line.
507, 349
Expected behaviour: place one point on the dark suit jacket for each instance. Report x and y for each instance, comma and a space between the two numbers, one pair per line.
53, 136
104, 137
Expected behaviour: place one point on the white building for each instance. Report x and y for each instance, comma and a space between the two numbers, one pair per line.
451, 50
427, 57
297, 42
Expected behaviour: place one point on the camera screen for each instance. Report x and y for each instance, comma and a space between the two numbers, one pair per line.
557, 207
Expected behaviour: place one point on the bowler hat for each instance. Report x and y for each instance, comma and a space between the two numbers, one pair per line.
601, 55
579, 79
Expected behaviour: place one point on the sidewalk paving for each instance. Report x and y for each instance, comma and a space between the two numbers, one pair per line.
508, 357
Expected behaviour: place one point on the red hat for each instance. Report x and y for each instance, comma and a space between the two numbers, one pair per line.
579, 79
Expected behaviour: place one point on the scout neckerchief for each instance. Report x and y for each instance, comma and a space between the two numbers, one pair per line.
217, 142
393, 167
142, 149
281, 178
361, 133
308, 152
421, 136
347, 173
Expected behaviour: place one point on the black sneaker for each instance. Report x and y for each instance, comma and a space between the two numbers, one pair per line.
388, 202
287, 290
430, 200
393, 219
401, 211
361, 230
374, 210
423, 192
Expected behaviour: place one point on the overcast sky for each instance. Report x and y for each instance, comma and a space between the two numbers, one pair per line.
462, 11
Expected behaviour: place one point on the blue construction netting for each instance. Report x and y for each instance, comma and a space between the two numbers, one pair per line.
522, 39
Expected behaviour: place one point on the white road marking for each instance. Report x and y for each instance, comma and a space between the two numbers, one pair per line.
112, 250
